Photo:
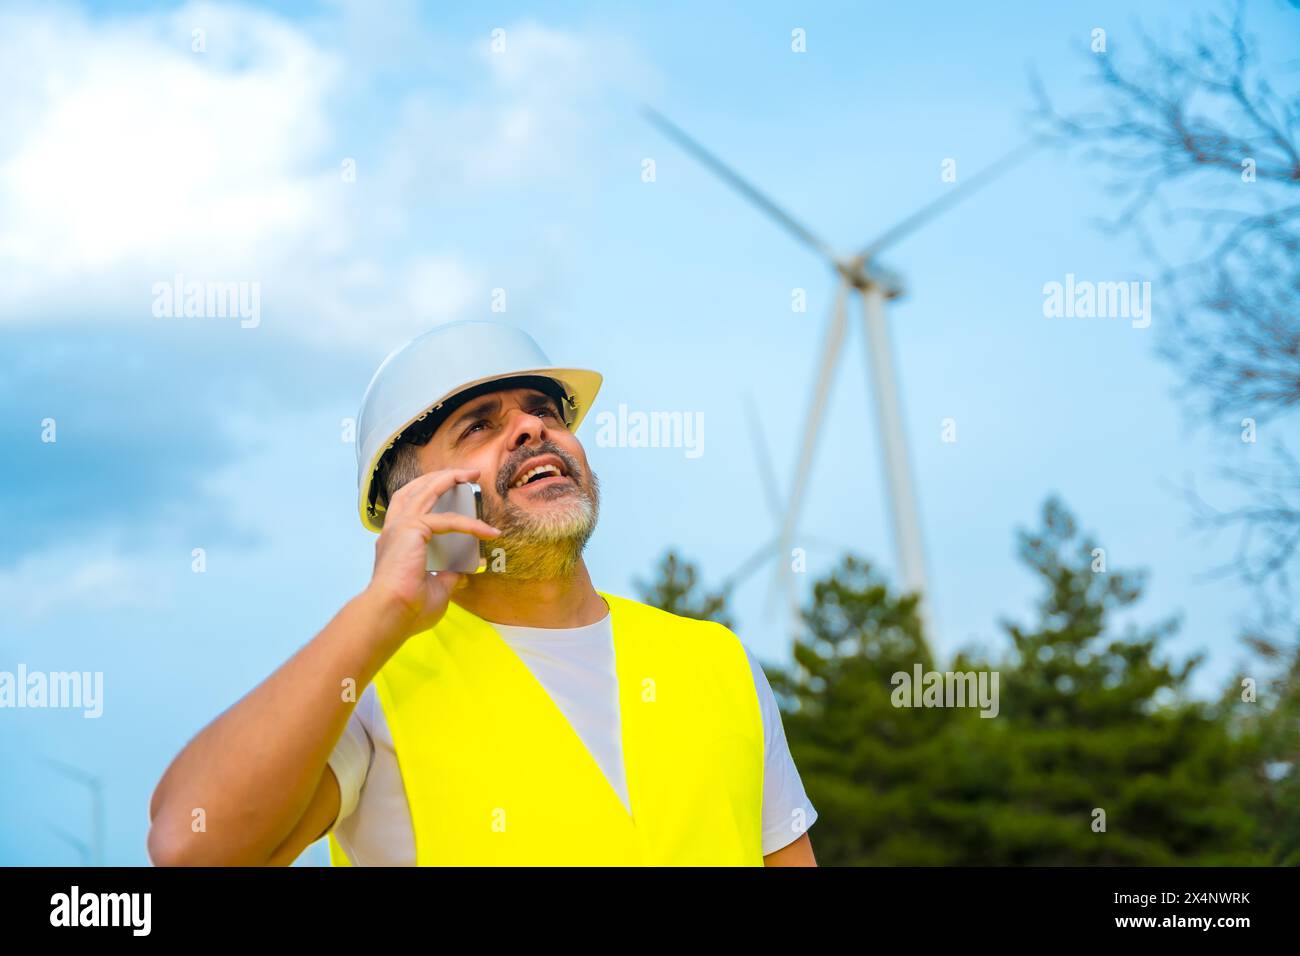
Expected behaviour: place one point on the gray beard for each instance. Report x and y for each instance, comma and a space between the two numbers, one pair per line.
543, 547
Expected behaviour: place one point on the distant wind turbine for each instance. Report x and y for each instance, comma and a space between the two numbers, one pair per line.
92, 852
767, 475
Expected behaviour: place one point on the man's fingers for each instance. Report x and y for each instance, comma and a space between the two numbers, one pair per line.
445, 582
419, 494
449, 521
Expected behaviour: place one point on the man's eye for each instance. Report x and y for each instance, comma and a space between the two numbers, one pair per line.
544, 409
470, 430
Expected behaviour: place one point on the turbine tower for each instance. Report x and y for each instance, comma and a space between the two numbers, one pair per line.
876, 286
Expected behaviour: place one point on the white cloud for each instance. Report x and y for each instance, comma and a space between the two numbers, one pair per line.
127, 158
540, 97
76, 578
135, 153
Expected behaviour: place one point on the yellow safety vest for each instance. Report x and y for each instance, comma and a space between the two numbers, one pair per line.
495, 774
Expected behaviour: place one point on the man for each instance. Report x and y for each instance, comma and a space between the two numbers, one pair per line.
515, 716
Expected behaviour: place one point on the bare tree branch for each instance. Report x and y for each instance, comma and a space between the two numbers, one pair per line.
1193, 135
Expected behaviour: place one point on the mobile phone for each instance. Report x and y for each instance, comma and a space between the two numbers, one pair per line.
456, 550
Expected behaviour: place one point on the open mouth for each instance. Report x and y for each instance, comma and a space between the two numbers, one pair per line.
546, 473
543, 481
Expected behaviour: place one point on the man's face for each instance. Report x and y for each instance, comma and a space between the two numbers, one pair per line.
546, 522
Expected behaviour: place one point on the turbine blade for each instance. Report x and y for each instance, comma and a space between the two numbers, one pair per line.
68, 769
765, 471
71, 840
734, 180
792, 599
750, 565
953, 196
783, 587
775, 589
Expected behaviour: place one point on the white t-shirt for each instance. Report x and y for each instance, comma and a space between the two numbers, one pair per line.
576, 666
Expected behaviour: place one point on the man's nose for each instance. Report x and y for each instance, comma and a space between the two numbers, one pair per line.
523, 428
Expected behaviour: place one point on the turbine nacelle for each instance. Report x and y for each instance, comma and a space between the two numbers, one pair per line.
865, 276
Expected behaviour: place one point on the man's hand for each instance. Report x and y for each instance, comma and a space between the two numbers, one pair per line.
261, 769
412, 598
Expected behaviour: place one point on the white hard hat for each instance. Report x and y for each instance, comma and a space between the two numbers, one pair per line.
418, 378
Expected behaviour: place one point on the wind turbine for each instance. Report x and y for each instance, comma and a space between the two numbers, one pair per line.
93, 852
765, 471
763, 462
876, 285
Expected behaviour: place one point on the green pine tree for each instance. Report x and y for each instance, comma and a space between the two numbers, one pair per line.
874, 771
674, 588
1091, 720
1265, 709
1103, 724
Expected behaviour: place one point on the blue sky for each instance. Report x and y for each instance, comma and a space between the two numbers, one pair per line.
127, 158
